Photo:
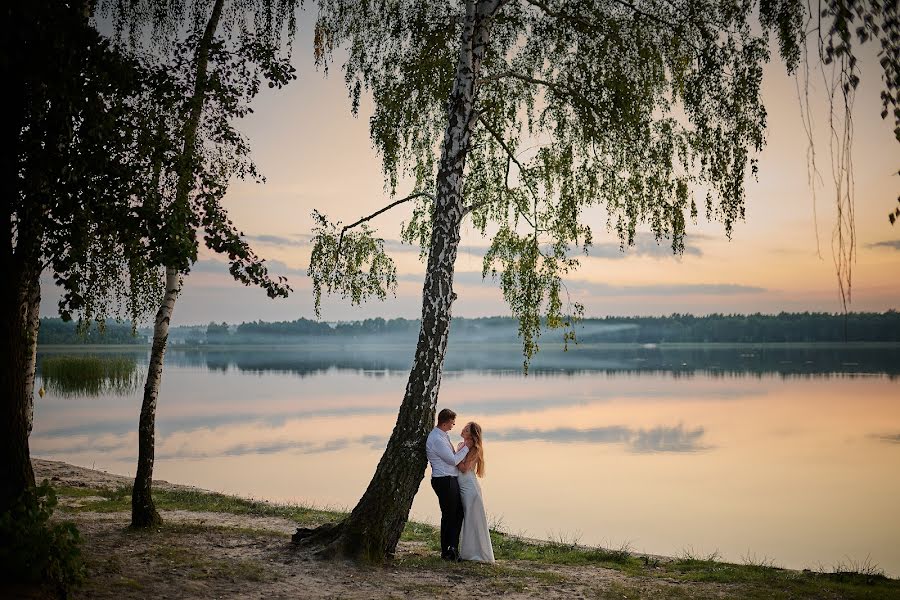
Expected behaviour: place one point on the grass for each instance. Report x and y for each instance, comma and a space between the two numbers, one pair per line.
119, 500
89, 375
521, 559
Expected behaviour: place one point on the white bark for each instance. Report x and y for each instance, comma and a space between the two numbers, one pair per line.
143, 512
374, 527
33, 325
161, 338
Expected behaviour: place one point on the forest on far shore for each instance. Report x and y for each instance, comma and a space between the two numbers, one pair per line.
803, 327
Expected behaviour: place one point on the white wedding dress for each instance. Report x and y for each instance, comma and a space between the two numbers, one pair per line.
475, 539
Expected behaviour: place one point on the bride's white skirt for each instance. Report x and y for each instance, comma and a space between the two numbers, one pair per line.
475, 539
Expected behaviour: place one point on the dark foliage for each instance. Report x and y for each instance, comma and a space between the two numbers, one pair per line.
34, 550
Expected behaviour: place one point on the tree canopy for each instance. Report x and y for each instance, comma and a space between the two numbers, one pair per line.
526, 118
649, 110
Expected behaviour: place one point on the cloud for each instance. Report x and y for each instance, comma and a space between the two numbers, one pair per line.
707, 289
892, 244
277, 446
892, 438
645, 244
277, 240
275, 267
640, 441
473, 278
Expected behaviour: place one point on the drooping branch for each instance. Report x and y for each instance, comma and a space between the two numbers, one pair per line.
511, 157
375, 214
562, 90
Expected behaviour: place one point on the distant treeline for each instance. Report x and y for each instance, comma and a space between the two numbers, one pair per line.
676, 328
57, 331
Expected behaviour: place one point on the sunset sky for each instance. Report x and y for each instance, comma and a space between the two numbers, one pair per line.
315, 154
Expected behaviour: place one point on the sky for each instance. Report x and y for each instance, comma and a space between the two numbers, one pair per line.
316, 155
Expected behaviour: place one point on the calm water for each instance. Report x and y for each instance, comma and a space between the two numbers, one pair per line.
789, 454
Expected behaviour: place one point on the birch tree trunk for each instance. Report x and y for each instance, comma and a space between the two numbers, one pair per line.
16, 474
373, 529
143, 511
33, 325
16, 354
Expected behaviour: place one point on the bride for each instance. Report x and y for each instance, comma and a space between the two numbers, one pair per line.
475, 539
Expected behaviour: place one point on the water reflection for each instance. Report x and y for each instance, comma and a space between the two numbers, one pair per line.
506, 360
657, 439
748, 451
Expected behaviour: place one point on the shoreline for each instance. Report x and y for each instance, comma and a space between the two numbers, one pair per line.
225, 546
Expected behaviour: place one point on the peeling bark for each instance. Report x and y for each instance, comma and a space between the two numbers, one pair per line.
373, 529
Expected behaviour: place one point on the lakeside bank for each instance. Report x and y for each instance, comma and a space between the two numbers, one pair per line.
215, 545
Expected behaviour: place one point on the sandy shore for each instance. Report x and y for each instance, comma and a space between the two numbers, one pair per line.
224, 555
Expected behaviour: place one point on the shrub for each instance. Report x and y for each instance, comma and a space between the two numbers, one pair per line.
33, 550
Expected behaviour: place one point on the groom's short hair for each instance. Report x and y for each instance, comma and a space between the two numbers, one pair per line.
446, 415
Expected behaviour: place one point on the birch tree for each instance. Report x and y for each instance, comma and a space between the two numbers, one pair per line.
517, 116
70, 174
219, 75
94, 147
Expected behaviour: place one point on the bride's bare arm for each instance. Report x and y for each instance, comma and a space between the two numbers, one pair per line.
467, 463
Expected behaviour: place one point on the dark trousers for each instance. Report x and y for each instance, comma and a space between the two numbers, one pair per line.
447, 490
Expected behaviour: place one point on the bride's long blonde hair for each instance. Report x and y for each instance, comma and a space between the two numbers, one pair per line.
477, 451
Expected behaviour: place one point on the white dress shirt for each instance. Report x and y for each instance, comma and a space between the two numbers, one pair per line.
441, 454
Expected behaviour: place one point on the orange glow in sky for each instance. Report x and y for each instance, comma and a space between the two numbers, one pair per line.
315, 155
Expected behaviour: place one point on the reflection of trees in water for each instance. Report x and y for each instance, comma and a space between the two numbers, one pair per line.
709, 361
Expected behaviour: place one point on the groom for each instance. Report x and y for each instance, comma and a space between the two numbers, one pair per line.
443, 458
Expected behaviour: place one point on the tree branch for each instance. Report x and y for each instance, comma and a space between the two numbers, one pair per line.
591, 25
556, 87
375, 214
510, 157
561, 15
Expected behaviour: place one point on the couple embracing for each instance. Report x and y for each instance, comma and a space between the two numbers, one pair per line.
464, 530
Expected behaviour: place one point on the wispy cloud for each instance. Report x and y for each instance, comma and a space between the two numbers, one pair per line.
594, 288
892, 438
277, 240
891, 244
645, 245
275, 447
708, 289
276, 267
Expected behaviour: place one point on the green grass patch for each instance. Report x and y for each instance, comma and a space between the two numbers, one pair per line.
64, 491
119, 500
89, 375
422, 533
562, 552
766, 581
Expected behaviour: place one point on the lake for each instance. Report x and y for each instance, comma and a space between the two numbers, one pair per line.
785, 453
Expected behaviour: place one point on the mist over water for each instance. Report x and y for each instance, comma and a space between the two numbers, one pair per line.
783, 452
